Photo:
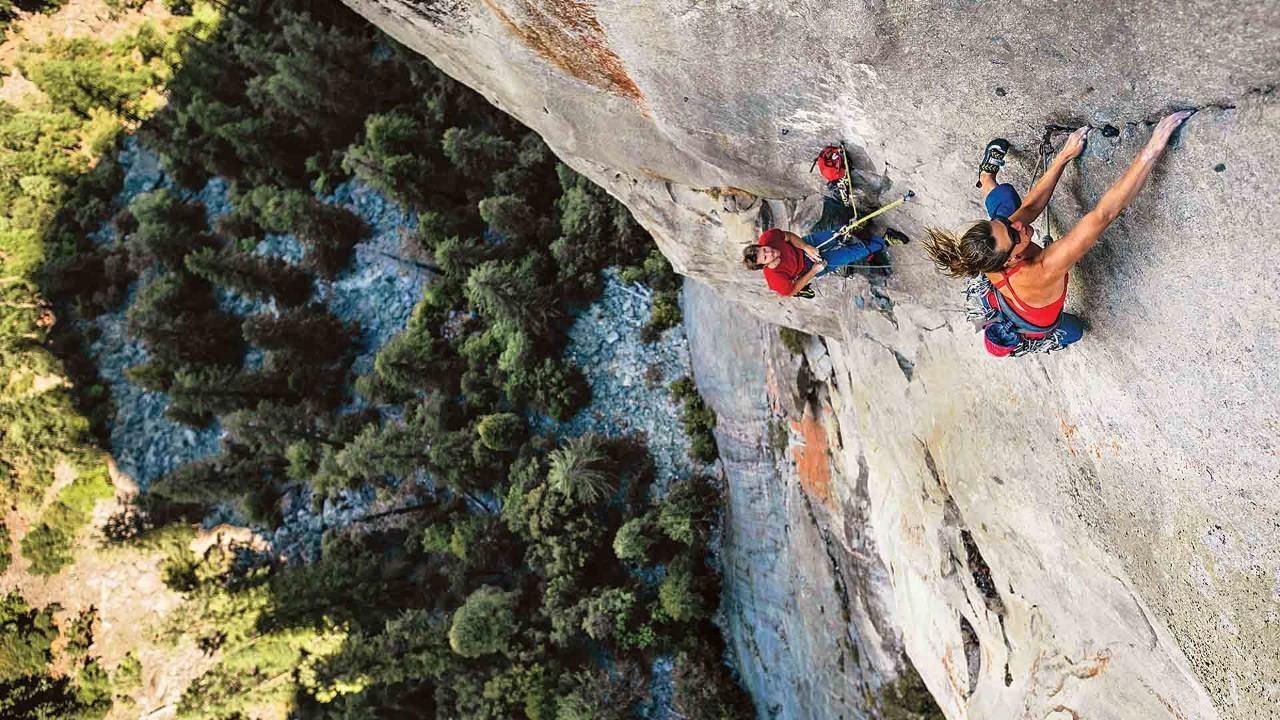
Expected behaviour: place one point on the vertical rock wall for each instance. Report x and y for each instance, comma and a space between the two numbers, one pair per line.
1089, 534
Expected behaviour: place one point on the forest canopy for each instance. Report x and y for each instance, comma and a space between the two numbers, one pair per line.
517, 573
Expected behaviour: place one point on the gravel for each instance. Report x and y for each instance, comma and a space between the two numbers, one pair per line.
629, 378
376, 291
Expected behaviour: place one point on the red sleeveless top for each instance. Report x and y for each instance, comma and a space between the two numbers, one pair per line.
1043, 316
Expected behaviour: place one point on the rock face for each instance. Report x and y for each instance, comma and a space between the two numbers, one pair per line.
1089, 534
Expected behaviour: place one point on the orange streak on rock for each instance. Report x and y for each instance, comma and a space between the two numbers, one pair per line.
813, 458
568, 34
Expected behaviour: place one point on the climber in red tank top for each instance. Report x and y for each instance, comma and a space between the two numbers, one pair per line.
1032, 280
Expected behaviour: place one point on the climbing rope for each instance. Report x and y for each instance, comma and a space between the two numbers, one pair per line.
1046, 158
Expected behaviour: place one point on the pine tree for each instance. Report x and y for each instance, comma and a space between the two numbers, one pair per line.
230, 474
168, 230
510, 217
177, 320
397, 157
258, 276
312, 333
271, 428
509, 292
204, 393
477, 154
414, 361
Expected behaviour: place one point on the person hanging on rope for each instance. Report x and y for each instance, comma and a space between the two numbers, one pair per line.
1017, 289
789, 261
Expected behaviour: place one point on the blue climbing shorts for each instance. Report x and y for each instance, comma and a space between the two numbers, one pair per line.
1003, 201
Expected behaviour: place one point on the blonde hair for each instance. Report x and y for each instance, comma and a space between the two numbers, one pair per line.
972, 253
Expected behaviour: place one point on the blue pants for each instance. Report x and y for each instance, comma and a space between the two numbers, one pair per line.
1072, 328
1003, 201
838, 256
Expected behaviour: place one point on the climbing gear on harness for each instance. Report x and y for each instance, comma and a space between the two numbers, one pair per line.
1004, 332
992, 158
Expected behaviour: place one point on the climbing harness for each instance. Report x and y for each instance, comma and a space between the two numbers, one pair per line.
1004, 332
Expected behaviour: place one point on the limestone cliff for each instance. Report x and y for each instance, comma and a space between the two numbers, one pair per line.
1086, 535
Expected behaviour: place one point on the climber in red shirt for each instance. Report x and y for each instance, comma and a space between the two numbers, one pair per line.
789, 261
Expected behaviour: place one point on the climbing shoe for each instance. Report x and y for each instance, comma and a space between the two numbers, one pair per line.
993, 158
894, 237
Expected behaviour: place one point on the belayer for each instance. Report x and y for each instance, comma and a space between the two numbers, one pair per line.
1017, 289
789, 261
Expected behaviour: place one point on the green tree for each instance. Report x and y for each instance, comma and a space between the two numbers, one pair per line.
633, 539
511, 217
476, 154
258, 276
179, 324
26, 635
329, 233
196, 396
484, 624
509, 292
272, 428
501, 431
579, 469
221, 477
397, 157
688, 510
168, 230
679, 595
311, 333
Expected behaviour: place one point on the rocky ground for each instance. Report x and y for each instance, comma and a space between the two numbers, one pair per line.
378, 292
629, 377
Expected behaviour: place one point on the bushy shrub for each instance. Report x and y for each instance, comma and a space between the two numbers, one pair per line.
703, 688
501, 431
679, 595
698, 420
484, 624
687, 511
633, 539
793, 340
26, 635
666, 315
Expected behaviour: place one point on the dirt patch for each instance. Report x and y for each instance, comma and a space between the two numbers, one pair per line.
568, 34
813, 457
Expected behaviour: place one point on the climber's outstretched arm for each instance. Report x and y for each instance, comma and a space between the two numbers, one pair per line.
1060, 256
1038, 199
